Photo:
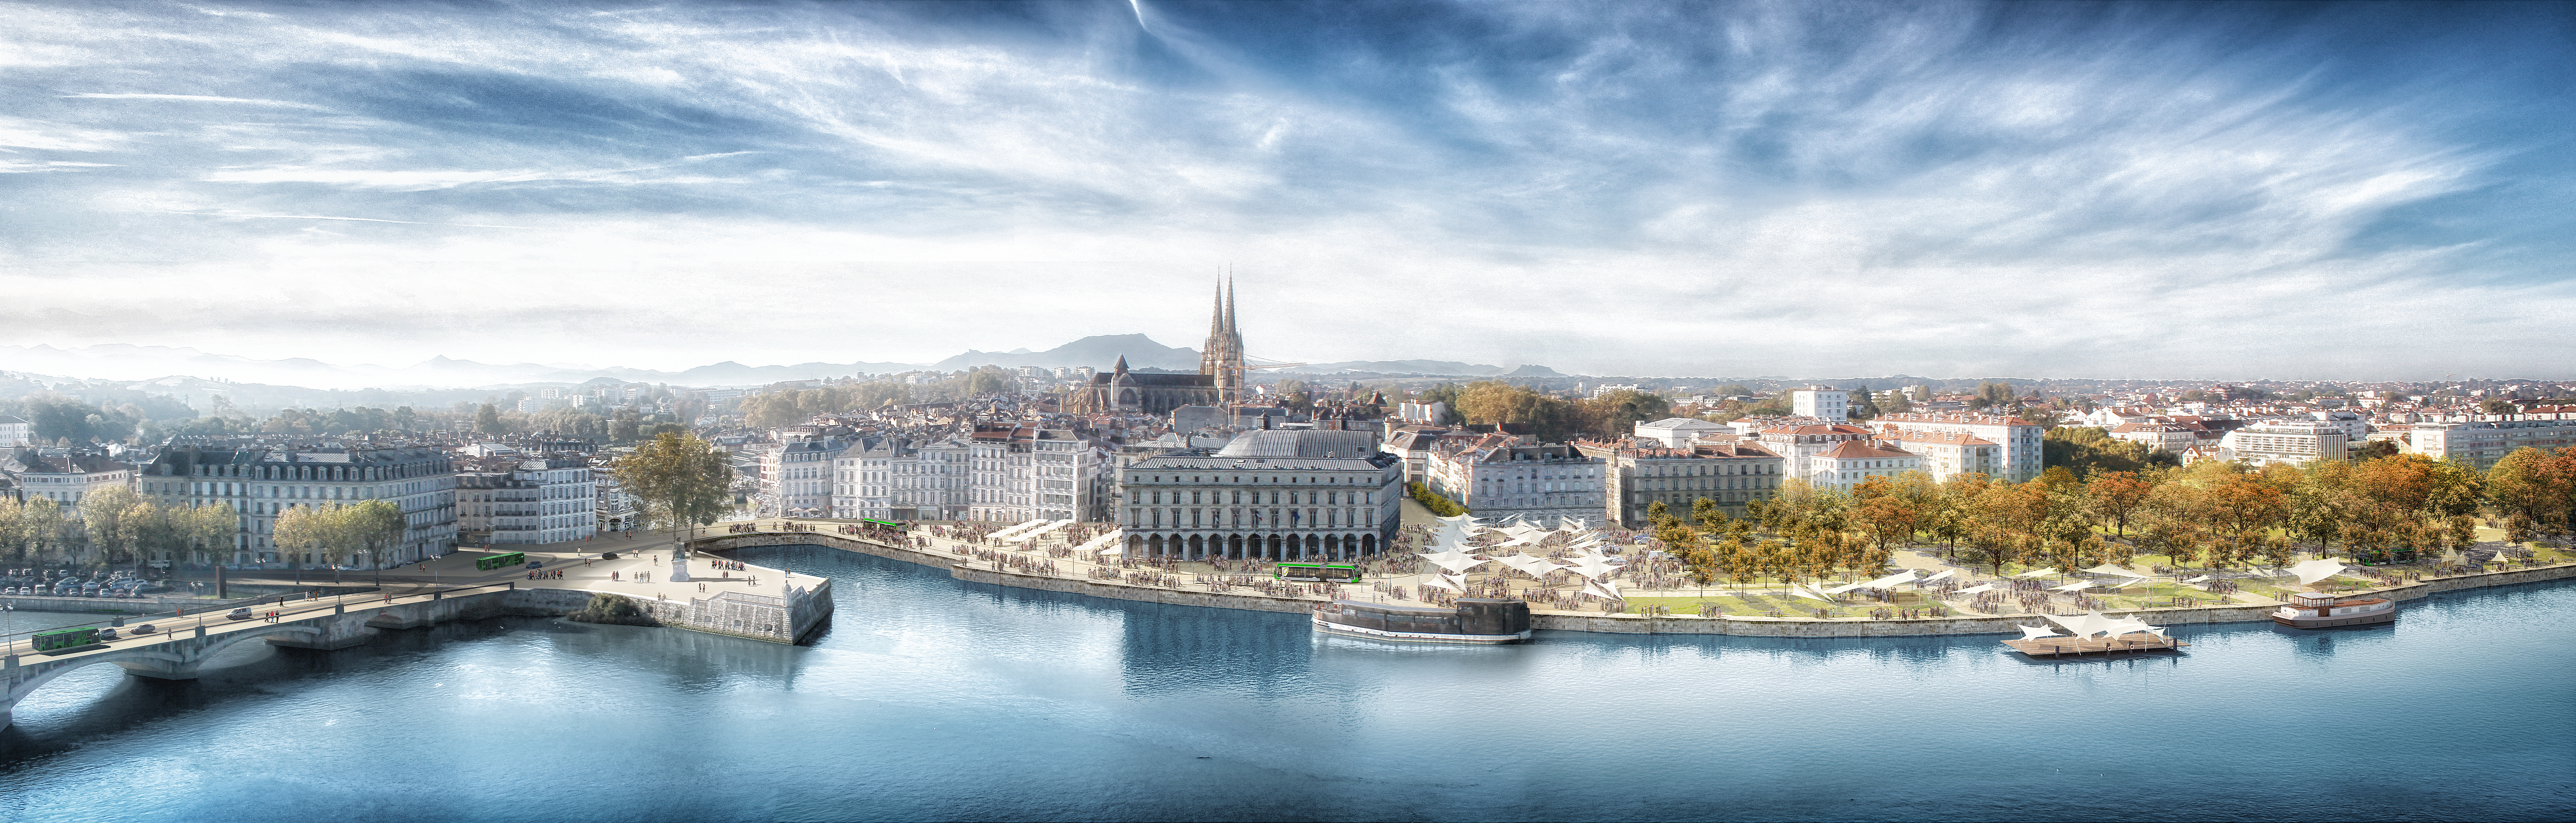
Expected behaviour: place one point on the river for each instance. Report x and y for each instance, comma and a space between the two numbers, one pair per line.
932, 698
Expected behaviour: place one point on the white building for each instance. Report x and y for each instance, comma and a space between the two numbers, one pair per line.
528, 502
1277, 495
63, 477
1500, 477
2356, 429
2488, 438
796, 475
1640, 473
1818, 401
1851, 461
16, 432
1949, 454
1679, 432
1434, 413
2283, 441
262, 482
2172, 437
2017, 438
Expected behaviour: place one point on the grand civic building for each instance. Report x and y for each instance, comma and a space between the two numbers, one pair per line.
1268, 494
1219, 381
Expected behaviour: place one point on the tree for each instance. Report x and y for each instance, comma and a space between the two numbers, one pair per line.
2116, 496
487, 420
2498, 405
988, 380
1706, 513
103, 520
373, 527
1867, 408
678, 479
2534, 485
302, 529
1616, 414
1991, 395
212, 528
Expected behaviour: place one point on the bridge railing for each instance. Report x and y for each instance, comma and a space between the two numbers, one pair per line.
11, 641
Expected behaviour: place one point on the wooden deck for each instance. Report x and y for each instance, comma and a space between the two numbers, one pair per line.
2061, 645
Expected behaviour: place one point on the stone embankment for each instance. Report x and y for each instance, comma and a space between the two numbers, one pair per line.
973, 571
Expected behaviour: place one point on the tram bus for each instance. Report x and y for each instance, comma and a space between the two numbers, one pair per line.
66, 638
500, 561
884, 524
1336, 572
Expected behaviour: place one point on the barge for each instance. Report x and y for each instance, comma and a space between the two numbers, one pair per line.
2323, 611
1474, 620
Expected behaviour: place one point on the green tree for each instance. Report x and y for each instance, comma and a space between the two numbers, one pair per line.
679, 480
2498, 405
1706, 513
487, 420
103, 514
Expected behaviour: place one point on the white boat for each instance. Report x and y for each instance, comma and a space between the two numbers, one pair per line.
1473, 620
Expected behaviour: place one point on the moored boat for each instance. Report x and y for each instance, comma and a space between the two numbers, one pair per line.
1473, 620
2324, 611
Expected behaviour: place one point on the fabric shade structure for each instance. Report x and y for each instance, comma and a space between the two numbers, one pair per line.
1533, 566
1442, 581
2035, 632
2311, 571
2076, 586
2197, 579
1454, 561
1944, 575
2084, 625
1592, 566
1980, 588
1801, 591
2037, 573
1568, 524
1604, 589
1890, 581
2112, 570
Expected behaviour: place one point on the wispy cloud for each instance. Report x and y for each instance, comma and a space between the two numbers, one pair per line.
1637, 188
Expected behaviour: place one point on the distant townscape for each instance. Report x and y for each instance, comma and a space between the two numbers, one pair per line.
1206, 453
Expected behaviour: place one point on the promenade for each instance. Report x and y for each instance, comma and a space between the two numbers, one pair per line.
1058, 566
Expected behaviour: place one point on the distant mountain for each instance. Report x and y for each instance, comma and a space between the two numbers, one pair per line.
1438, 367
1532, 370
1098, 351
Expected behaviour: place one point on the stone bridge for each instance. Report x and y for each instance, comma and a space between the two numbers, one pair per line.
186, 643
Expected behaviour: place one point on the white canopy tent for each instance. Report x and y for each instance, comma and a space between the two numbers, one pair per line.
1980, 588
2076, 586
1442, 581
2311, 571
2035, 632
1944, 575
2037, 573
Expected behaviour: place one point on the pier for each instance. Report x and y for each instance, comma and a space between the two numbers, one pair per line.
2061, 645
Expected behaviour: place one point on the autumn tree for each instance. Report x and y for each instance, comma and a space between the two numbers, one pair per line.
678, 480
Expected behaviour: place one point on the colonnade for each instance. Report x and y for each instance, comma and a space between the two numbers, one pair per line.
1253, 546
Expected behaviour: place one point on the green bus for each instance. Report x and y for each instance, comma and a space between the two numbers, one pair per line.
500, 561
1336, 572
884, 524
66, 638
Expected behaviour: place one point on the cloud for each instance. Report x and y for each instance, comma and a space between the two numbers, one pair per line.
1685, 188
195, 98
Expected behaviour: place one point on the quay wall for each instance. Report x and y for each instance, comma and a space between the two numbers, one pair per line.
1141, 594
968, 570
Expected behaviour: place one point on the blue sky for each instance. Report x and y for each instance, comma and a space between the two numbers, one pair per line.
1946, 189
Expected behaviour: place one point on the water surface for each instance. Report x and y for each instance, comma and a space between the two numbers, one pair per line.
935, 699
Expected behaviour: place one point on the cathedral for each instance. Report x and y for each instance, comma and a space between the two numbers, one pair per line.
1219, 381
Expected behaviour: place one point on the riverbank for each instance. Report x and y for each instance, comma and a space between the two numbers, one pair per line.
957, 559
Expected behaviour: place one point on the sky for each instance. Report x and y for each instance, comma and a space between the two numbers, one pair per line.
2162, 190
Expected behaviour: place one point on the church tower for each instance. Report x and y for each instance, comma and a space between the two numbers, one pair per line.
1221, 357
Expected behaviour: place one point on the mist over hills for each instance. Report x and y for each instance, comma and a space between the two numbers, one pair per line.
174, 370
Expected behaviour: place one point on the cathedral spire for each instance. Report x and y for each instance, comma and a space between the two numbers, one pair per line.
1231, 332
